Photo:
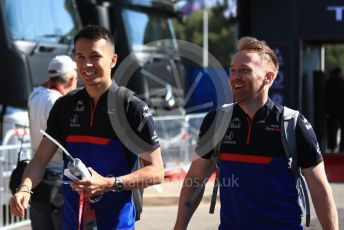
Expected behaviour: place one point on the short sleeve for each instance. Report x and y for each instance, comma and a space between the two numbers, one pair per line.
309, 153
54, 126
140, 119
204, 146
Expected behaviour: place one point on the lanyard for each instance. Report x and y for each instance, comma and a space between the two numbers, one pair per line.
81, 207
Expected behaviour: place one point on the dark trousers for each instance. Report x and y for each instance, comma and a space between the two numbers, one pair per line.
333, 124
43, 219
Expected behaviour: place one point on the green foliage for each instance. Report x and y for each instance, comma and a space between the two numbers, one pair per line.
221, 37
334, 57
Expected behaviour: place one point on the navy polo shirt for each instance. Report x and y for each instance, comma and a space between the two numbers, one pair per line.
257, 190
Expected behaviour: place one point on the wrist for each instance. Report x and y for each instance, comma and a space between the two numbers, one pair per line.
110, 183
178, 226
24, 188
117, 185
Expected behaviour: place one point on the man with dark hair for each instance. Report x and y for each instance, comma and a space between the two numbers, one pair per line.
91, 138
258, 189
62, 79
94, 33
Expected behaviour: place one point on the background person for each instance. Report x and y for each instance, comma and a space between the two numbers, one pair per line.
62, 79
334, 107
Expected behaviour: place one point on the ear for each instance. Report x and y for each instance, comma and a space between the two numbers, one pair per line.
70, 81
269, 78
113, 61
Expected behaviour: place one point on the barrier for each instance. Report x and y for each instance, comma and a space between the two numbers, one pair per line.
8, 161
194, 124
178, 138
172, 133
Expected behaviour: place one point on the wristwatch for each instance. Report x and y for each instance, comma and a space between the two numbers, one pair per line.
117, 185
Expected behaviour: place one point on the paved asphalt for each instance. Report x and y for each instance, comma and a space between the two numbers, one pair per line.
160, 209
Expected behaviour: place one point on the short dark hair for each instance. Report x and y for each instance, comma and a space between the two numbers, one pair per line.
95, 32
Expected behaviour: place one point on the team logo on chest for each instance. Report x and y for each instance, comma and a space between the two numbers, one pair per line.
228, 138
235, 123
74, 121
79, 107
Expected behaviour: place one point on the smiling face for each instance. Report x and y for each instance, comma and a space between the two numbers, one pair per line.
95, 59
250, 78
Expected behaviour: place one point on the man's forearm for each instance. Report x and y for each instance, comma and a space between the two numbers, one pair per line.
33, 174
152, 172
146, 176
322, 196
190, 197
326, 209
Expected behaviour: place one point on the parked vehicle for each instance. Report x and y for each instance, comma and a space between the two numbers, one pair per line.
143, 29
34, 31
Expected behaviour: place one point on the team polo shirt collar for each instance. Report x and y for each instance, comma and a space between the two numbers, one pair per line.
262, 113
113, 88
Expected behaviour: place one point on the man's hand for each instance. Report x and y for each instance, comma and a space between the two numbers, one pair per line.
33, 174
19, 202
96, 185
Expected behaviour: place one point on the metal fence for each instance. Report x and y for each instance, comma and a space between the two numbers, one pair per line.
13, 141
178, 137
